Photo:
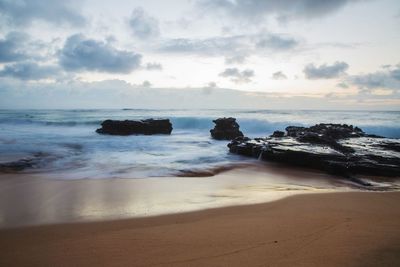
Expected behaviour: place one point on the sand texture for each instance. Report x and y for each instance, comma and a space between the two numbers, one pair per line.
331, 229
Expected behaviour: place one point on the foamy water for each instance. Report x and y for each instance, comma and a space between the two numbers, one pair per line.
70, 148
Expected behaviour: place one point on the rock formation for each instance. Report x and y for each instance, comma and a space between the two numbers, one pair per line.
130, 127
226, 129
335, 148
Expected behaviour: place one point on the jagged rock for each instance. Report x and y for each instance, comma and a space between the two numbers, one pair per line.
328, 130
278, 134
129, 127
294, 131
327, 134
225, 129
336, 148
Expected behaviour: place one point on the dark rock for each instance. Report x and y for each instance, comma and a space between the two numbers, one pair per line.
295, 131
335, 148
327, 134
336, 131
226, 129
322, 139
390, 146
278, 134
328, 130
34, 161
18, 165
129, 127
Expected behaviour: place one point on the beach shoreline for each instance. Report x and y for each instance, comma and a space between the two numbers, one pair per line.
39, 199
330, 229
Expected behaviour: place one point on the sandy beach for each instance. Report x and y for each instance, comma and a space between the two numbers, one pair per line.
259, 215
332, 229
200, 133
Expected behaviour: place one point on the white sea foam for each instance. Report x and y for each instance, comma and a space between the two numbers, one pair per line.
71, 148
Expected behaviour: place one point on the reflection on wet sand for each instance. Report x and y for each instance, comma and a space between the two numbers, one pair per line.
29, 199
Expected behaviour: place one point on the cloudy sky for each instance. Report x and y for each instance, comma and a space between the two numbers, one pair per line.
307, 54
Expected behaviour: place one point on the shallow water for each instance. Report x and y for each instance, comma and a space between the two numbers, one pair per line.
32, 199
70, 149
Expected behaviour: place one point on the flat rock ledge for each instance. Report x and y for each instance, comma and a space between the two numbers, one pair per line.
135, 127
338, 149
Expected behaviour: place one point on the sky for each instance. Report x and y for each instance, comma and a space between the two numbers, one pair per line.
268, 54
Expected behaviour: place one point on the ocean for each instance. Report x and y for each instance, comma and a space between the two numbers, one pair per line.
69, 147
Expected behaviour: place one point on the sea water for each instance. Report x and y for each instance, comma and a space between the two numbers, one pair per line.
70, 147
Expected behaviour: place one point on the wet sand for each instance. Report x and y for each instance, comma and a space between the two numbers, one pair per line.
332, 229
38, 199
310, 219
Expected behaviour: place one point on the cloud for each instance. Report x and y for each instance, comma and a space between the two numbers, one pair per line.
279, 75
207, 46
80, 53
11, 47
235, 59
212, 85
23, 12
282, 9
120, 94
395, 74
235, 47
18, 46
29, 71
343, 85
370, 81
147, 84
388, 78
238, 76
209, 88
142, 25
325, 71
153, 66
277, 42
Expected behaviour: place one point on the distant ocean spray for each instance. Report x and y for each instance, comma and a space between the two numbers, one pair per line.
72, 150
